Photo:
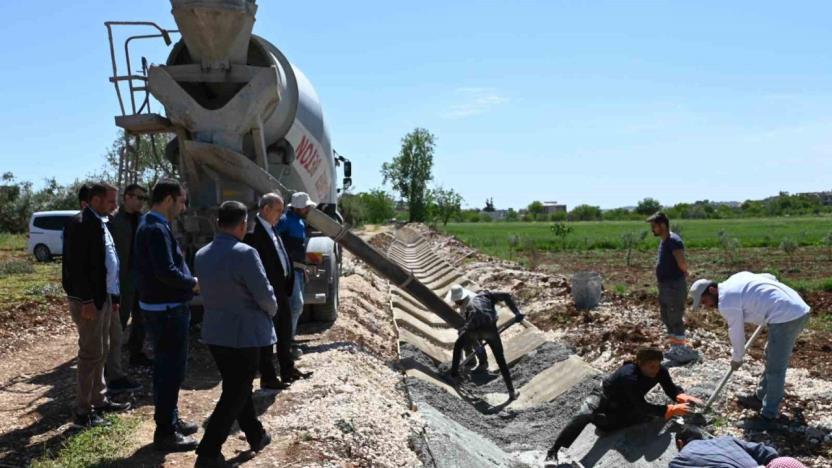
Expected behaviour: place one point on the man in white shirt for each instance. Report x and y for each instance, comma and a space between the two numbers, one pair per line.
761, 300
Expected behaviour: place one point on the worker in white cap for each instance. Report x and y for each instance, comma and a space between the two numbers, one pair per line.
762, 300
481, 325
292, 231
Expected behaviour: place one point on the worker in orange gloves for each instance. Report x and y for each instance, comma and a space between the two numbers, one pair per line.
620, 401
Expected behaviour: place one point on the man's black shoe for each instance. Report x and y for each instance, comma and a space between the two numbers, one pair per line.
750, 402
296, 352
204, 461
123, 385
298, 375
273, 384
140, 360
185, 428
113, 407
90, 420
174, 442
265, 440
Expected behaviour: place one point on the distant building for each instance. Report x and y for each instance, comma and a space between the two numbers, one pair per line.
550, 207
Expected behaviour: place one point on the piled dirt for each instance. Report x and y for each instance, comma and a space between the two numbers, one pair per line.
27, 324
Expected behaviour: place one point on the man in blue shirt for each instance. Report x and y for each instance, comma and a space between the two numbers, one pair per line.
292, 230
239, 307
165, 286
721, 452
672, 273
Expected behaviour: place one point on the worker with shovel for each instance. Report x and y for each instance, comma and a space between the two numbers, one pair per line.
620, 403
760, 299
481, 325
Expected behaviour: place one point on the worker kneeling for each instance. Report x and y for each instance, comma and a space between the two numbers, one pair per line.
481, 325
620, 403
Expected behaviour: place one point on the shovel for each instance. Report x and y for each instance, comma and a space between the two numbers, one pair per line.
698, 418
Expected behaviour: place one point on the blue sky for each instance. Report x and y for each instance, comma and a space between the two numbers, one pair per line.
580, 102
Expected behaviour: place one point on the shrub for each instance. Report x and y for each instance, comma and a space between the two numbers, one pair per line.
15, 267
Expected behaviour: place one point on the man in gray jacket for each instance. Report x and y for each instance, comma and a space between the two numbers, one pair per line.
239, 306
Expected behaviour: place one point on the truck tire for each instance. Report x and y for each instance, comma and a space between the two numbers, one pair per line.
328, 312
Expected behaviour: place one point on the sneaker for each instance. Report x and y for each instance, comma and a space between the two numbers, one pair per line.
174, 442
123, 385
265, 440
750, 402
204, 461
90, 420
185, 428
140, 360
112, 407
681, 354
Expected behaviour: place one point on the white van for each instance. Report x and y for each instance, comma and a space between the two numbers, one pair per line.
46, 233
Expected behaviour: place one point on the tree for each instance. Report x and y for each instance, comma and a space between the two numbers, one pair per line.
562, 231
410, 171
585, 213
630, 240
379, 206
146, 160
536, 209
352, 209
489, 204
448, 203
511, 215
648, 206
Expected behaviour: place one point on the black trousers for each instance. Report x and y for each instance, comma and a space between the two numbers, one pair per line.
238, 367
130, 307
283, 328
597, 411
471, 336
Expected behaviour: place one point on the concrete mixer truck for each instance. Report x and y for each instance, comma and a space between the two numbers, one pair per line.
246, 122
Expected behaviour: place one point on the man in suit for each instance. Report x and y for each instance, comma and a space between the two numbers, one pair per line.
239, 307
279, 270
166, 286
124, 224
90, 279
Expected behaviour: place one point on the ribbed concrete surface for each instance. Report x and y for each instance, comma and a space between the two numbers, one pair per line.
459, 446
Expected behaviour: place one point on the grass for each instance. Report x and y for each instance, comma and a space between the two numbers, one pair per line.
492, 238
12, 241
96, 446
26, 282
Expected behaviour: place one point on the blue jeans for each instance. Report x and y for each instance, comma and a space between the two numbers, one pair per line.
296, 301
168, 331
781, 340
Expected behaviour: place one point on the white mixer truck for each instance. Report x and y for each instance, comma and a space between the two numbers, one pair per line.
246, 122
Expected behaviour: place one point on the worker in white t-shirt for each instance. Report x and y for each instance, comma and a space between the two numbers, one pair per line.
761, 300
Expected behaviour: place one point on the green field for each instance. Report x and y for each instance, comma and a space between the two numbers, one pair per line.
494, 238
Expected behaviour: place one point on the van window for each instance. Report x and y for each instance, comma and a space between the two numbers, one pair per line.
51, 223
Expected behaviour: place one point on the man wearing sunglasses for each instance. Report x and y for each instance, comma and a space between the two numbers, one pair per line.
123, 226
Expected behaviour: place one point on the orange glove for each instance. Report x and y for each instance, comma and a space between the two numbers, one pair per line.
676, 410
685, 398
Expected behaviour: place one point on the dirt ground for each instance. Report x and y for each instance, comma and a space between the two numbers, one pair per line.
353, 411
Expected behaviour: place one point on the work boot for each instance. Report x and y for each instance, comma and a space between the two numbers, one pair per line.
762, 424
552, 454
174, 442
750, 401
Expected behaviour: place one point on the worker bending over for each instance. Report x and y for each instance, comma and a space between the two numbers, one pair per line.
762, 300
620, 403
480, 315
696, 451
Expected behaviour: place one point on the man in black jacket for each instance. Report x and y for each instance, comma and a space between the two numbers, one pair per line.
620, 402
165, 286
90, 279
481, 325
278, 265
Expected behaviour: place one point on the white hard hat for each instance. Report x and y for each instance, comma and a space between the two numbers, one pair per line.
458, 293
301, 200
697, 289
